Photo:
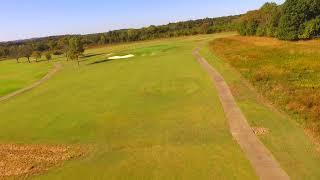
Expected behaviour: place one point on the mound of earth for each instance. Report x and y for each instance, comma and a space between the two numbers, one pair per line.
25, 160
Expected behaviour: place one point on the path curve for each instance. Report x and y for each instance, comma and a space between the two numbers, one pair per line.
261, 159
53, 71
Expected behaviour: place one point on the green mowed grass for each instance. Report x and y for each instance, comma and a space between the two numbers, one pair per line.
286, 140
14, 76
153, 116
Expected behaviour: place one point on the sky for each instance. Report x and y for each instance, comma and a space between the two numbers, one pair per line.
22, 19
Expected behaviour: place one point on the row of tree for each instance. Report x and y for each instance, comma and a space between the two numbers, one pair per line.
202, 26
73, 45
25, 51
293, 20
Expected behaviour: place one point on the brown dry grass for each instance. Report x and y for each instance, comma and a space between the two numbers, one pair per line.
26, 160
286, 73
260, 131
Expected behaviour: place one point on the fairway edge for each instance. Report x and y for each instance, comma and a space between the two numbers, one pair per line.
265, 165
56, 68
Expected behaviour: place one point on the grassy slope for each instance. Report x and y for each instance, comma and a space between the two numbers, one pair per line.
286, 140
155, 116
14, 76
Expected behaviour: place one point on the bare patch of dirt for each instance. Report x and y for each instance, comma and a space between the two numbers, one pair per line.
26, 160
260, 131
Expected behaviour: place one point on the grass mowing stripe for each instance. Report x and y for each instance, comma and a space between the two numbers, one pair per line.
148, 117
14, 76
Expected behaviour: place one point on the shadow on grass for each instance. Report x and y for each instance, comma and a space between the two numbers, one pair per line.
101, 61
86, 57
42, 60
92, 55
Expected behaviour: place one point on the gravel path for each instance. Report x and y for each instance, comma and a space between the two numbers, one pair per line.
265, 165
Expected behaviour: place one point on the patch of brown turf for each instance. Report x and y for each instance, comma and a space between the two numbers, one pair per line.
25, 160
260, 131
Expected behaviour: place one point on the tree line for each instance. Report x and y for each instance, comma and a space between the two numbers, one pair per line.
73, 45
186, 28
293, 20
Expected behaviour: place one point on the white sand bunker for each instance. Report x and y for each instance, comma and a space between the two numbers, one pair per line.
122, 57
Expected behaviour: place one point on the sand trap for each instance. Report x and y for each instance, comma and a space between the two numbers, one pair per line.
122, 57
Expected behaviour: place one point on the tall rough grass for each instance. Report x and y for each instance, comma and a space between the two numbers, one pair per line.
287, 73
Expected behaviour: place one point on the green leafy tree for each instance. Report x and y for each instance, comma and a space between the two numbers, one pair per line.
270, 15
132, 34
294, 14
204, 28
295, 19
36, 55
311, 29
40, 46
58, 45
249, 23
262, 22
5, 52
48, 56
26, 51
2, 53
102, 40
62, 46
15, 52
76, 48
52, 45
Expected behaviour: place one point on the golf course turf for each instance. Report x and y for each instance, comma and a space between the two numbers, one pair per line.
152, 116
14, 76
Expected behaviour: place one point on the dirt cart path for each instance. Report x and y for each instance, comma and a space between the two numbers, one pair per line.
56, 68
265, 165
